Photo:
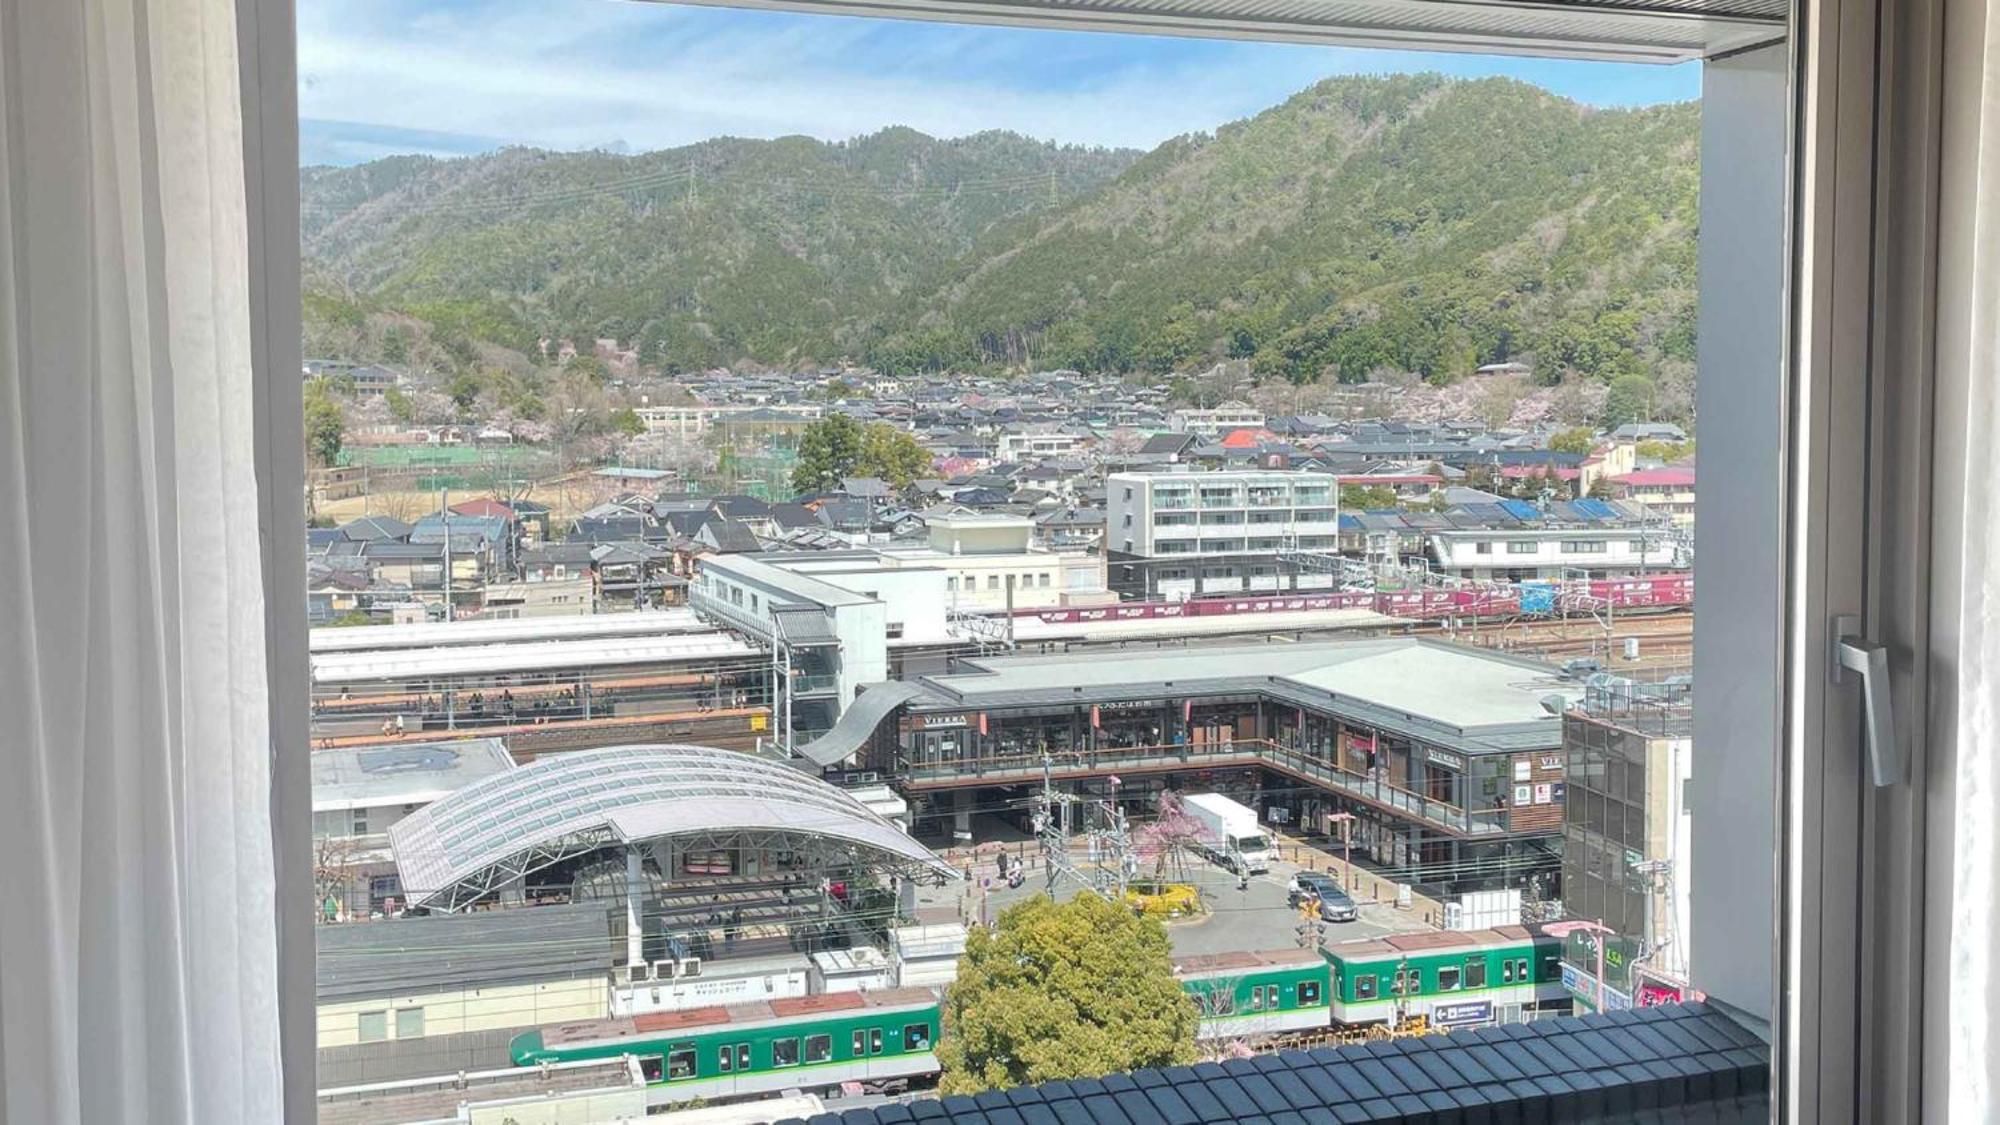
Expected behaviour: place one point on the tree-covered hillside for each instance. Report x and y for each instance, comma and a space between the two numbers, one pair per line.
1407, 223
778, 251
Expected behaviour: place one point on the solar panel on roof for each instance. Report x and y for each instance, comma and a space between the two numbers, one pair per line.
1520, 509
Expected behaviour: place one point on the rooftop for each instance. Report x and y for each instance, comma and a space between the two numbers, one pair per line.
523, 656
1438, 692
402, 773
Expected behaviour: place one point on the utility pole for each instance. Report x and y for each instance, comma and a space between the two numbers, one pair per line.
444, 513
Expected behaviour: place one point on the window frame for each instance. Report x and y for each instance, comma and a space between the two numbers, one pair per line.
777, 1062
1838, 68
826, 1052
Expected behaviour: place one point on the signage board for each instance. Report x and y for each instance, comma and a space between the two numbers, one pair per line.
1463, 1014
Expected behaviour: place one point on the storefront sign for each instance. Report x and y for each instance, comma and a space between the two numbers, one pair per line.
1523, 770
1542, 794
1552, 761
1445, 758
939, 722
1464, 1014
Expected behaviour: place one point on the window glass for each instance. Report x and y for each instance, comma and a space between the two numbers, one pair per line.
1308, 993
1475, 973
680, 1063
917, 1037
743, 1056
725, 1058
1448, 978
1257, 998
652, 1068
860, 1043
1364, 987
784, 1052
409, 1023
819, 1048
373, 1027
1506, 972
875, 1041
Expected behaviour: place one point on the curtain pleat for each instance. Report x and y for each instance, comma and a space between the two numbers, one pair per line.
138, 963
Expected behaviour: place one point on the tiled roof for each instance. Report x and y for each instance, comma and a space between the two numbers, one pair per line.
1679, 1062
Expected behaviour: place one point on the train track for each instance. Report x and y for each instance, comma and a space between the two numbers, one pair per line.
1666, 640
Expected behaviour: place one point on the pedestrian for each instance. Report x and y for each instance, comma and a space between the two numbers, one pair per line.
1243, 881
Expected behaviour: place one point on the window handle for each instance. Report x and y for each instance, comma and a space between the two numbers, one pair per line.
1857, 657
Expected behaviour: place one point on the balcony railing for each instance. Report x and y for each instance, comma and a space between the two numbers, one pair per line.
814, 684
1209, 755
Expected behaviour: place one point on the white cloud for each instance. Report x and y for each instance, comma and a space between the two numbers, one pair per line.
601, 73
564, 75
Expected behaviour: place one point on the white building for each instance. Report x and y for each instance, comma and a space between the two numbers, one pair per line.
359, 791
1217, 420
1184, 534
1036, 446
1513, 554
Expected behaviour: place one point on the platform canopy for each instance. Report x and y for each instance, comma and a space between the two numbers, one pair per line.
495, 832
1656, 31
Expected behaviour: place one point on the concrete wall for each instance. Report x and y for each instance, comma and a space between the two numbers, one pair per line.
458, 1011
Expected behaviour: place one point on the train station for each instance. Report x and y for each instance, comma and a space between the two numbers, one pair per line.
1418, 754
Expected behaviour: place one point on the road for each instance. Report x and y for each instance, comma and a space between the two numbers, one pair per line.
1249, 919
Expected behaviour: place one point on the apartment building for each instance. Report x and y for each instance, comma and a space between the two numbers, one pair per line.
1188, 534
1216, 420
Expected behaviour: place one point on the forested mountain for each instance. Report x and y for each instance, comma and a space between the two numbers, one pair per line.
1413, 223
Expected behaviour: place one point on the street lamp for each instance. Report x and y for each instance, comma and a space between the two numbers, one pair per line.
1600, 930
1345, 820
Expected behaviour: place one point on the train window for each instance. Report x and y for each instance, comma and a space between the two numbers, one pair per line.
372, 1027
743, 1056
917, 1037
1364, 987
652, 1067
1506, 972
1256, 997
725, 1058
1448, 977
1271, 996
1475, 973
784, 1052
1308, 993
860, 1043
1521, 970
680, 1063
875, 1041
819, 1048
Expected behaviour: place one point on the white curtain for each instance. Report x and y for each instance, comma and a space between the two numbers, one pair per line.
138, 956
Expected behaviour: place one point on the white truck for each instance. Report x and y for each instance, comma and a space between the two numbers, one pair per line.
1230, 834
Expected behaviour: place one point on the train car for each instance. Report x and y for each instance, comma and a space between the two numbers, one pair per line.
1249, 994
1644, 590
1451, 978
882, 1040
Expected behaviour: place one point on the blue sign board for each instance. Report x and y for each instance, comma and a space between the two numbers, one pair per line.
1462, 1014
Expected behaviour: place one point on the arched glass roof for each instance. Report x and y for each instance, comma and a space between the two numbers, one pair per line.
501, 827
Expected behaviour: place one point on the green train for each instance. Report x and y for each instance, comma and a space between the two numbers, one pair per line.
1241, 995
881, 1040
1451, 978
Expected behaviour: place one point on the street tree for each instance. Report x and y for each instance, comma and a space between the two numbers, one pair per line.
892, 454
1076, 990
828, 451
326, 424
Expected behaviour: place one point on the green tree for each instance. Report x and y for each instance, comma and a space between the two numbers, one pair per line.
828, 451
626, 421
1076, 990
892, 454
464, 389
1366, 497
400, 407
590, 367
326, 425
1577, 440
1630, 399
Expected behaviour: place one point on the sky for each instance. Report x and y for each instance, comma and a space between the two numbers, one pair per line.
455, 77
